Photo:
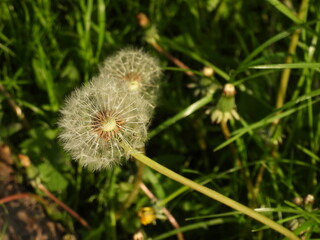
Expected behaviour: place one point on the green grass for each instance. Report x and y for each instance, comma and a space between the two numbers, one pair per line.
48, 48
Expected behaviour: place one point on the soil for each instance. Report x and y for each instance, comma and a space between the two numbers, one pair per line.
23, 218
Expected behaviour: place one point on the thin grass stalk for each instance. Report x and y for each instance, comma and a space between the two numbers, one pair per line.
291, 51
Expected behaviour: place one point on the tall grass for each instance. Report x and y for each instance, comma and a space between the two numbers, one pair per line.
268, 160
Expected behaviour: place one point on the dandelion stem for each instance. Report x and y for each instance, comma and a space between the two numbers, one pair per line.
209, 192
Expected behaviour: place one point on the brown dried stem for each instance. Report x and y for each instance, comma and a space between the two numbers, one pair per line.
145, 23
171, 218
64, 206
22, 195
173, 59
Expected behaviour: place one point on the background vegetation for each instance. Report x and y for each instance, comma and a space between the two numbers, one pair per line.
48, 48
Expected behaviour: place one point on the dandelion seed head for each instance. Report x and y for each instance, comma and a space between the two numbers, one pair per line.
138, 69
97, 117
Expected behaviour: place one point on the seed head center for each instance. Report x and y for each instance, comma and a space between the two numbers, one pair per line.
133, 76
106, 125
109, 124
134, 85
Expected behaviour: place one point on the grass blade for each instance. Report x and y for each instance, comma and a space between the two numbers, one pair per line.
285, 10
184, 113
300, 65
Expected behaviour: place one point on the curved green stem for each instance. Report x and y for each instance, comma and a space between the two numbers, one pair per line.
210, 193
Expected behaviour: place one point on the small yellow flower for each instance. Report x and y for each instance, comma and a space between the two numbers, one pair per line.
147, 215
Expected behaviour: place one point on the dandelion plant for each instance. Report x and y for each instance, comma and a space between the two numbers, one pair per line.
107, 119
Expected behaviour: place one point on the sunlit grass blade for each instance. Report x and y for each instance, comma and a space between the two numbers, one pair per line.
182, 70
252, 77
227, 214
184, 113
83, 26
216, 69
300, 65
101, 8
44, 75
7, 50
285, 10
180, 191
263, 46
32, 107
308, 152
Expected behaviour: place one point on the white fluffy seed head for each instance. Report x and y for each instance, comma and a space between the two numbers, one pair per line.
136, 68
97, 117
